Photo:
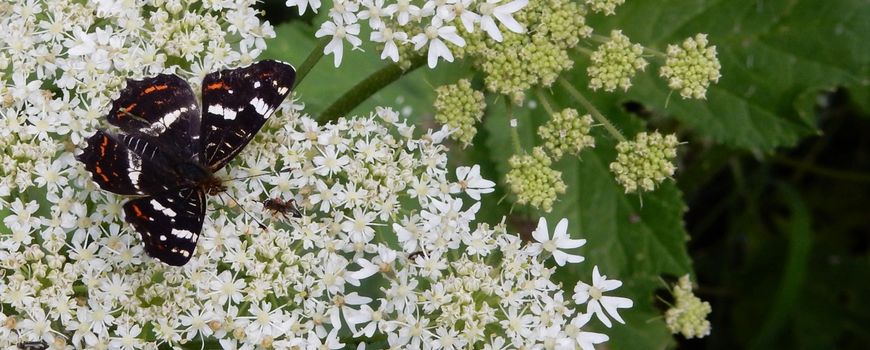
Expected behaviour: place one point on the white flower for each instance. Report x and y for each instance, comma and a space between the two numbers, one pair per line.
387, 36
339, 33
330, 163
433, 35
598, 302
468, 18
560, 241
128, 337
504, 14
404, 11
471, 182
586, 340
373, 12
304, 4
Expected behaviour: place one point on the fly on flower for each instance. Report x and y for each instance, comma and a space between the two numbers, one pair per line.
167, 151
279, 206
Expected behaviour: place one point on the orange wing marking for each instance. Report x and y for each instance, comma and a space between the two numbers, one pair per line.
151, 89
218, 85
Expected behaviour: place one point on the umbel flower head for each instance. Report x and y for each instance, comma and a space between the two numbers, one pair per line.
642, 164
567, 133
688, 315
460, 107
608, 7
533, 181
615, 63
534, 57
691, 67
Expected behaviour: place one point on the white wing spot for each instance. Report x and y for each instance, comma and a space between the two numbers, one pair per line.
256, 84
184, 234
161, 125
162, 238
166, 211
227, 113
282, 90
260, 106
134, 168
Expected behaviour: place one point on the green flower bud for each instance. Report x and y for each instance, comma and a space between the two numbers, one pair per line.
688, 316
567, 132
533, 181
614, 63
645, 162
608, 7
691, 67
460, 107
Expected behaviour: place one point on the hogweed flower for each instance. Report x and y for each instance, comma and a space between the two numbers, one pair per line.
688, 315
533, 181
642, 164
560, 240
567, 133
597, 303
460, 107
615, 63
401, 24
691, 67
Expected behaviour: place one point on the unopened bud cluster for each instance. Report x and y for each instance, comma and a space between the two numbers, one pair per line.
615, 63
567, 133
645, 162
533, 181
688, 316
608, 7
460, 107
535, 57
691, 67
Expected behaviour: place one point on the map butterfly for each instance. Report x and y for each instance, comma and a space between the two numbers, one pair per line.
168, 149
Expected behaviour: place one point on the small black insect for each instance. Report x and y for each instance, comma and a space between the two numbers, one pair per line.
33, 345
413, 256
282, 207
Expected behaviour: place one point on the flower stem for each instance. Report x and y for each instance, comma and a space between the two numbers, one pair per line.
545, 102
592, 110
366, 88
311, 60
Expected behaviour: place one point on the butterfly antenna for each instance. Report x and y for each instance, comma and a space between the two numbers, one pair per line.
263, 174
246, 212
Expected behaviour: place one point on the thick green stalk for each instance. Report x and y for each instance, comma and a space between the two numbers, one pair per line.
311, 60
366, 88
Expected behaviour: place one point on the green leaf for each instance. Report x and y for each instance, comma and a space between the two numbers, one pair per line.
772, 53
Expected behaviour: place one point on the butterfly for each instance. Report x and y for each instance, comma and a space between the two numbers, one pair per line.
168, 148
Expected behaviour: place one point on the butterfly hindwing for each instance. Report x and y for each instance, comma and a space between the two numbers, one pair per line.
162, 107
170, 223
236, 104
126, 164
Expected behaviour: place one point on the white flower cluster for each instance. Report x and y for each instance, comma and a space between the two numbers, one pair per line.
431, 24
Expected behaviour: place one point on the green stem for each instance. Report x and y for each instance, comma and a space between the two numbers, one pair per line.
311, 60
366, 88
545, 102
592, 110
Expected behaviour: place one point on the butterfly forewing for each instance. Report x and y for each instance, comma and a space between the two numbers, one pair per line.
170, 223
162, 108
236, 104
